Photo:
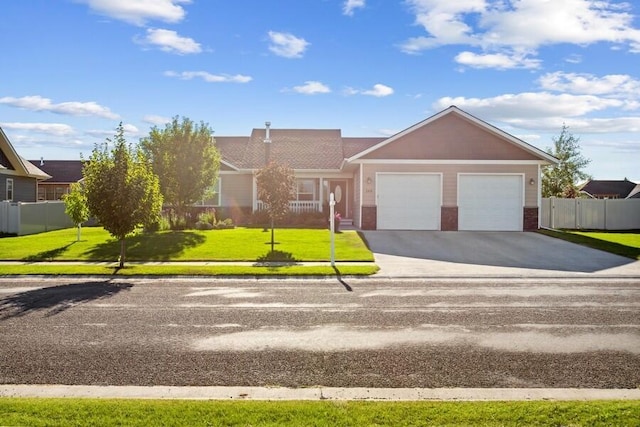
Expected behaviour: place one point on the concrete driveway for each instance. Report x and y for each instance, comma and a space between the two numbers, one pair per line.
470, 253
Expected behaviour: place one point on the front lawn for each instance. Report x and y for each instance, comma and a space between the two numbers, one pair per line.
108, 412
622, 243
238, 244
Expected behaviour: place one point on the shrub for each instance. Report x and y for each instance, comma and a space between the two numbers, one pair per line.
208, 217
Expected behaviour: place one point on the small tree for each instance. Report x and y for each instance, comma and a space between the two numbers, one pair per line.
122, 191
561, 180
185, 158
75, 205
276, 187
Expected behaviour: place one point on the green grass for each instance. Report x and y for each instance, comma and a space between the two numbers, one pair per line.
189, 270
84, 412
626, 244
239, 244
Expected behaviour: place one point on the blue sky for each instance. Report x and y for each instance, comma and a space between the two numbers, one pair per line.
73, 69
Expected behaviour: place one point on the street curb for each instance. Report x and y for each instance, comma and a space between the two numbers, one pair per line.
315, 393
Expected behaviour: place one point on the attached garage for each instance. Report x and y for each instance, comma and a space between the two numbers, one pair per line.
408, 201
490, 202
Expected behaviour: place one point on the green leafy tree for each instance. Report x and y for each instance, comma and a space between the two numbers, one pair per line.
121, 189
186, 160
276, 187
75, 205
562, 179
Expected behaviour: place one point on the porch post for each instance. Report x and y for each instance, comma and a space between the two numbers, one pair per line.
321, 197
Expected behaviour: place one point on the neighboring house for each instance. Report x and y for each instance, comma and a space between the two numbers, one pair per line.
609, 189
451, 171
18, 177
63, 174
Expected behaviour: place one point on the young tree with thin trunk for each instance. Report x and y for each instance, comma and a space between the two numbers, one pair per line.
276, 187
75, 205
186, 160
562, 179
122, 191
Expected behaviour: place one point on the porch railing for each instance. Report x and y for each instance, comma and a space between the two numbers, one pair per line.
297, 206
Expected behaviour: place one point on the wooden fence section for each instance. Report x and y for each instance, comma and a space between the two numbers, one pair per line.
591, 214
31, 218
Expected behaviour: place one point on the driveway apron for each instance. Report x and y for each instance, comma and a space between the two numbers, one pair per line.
488, 254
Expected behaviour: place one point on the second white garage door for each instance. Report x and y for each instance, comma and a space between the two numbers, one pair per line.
490, 202
408, 201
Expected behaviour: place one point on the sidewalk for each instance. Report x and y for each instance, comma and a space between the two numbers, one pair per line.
316, 393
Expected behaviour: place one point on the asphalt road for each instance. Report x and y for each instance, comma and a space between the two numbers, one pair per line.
296, 333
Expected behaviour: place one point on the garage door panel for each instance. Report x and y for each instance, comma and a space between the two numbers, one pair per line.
490, 202
408, 201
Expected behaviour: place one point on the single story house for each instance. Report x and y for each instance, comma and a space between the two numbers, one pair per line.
18, 177
63, 173
451, 171
609, 189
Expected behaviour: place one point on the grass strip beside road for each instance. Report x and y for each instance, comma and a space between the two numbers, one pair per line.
626, 244
44, 268
81, 412
238, 244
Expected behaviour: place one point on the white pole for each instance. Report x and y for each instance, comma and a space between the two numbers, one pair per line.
332, 204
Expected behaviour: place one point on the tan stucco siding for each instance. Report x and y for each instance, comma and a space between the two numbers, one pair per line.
450, 178
236, 190
451, 138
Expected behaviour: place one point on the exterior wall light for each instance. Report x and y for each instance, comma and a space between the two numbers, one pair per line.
532, 181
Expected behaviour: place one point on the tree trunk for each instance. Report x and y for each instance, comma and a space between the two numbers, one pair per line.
122, 251
78, 237
272, 243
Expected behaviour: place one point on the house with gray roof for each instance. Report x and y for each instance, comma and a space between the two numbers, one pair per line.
18, 177
451, 171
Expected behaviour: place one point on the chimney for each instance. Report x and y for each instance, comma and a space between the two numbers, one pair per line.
41, 161
267, 143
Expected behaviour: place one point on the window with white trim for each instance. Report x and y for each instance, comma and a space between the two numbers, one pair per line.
214, 199
9, 189
306, 189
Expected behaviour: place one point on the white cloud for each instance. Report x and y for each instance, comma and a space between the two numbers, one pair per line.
529, 105
545, 111
287, 45
524, 25
350, 5
311, 87
128, 129
378, 90
138, 12
73, 108
500, 61
156, 120
208, 77
57, 129
621, 85
170, 41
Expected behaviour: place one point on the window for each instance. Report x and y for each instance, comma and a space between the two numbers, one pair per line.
214, 199
9, 189
306, 189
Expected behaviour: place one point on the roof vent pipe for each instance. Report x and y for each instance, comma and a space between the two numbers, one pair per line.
267, 143
267, 139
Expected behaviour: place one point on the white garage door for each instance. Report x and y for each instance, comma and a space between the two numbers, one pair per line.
490, 202
408, 201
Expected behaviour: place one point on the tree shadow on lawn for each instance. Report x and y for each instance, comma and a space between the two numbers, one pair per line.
57, 299
49, 255
148, 246
274, 259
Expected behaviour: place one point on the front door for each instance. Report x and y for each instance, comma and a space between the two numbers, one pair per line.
339, 190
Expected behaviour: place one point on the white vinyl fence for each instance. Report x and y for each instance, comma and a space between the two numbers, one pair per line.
30, 218
591, 214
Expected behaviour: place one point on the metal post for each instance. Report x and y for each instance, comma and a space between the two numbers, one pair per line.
332, 204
